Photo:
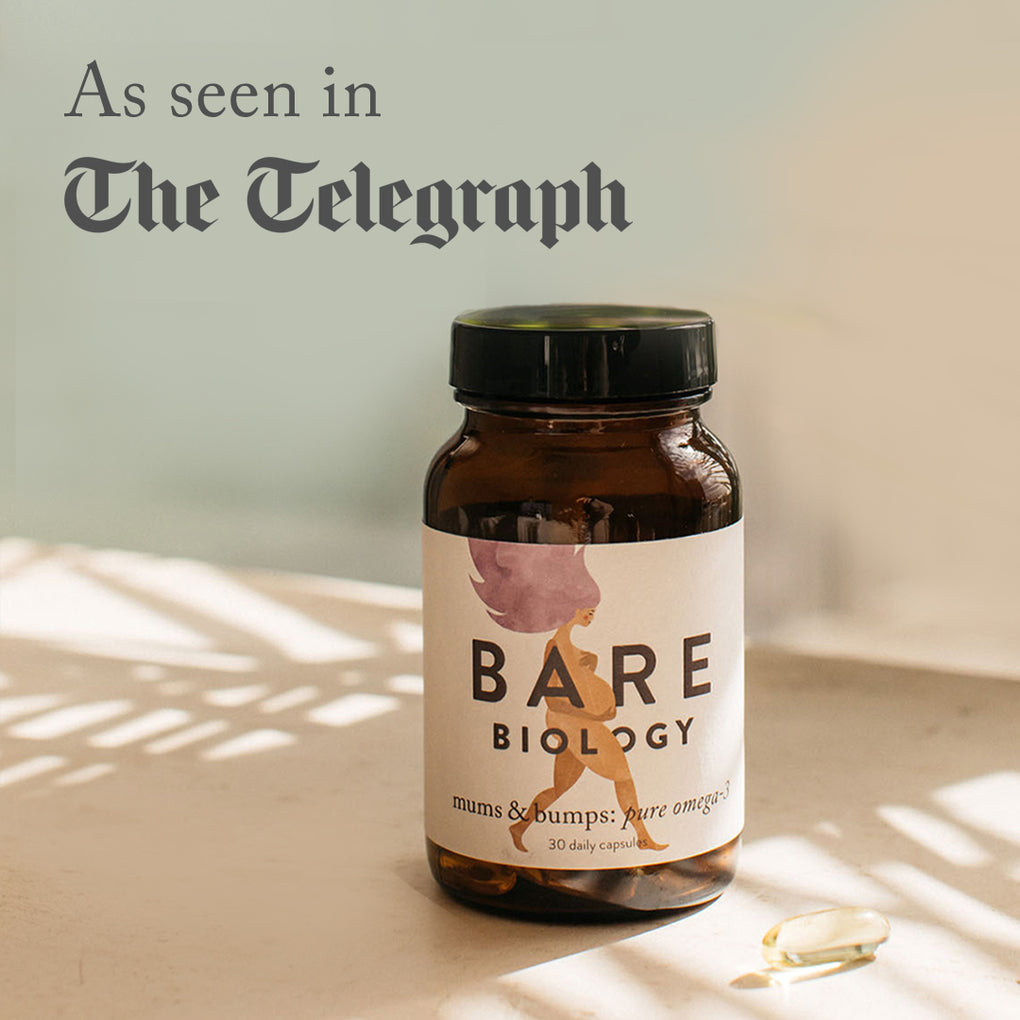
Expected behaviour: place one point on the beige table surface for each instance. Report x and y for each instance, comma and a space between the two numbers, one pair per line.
210, 807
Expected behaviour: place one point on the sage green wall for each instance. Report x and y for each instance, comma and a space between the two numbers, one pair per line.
834, 182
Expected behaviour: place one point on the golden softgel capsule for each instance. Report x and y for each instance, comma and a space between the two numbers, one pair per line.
840, 935
583, 617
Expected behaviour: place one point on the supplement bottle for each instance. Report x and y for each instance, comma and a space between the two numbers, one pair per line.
583, 600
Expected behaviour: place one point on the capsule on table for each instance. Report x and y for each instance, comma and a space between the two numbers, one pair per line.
839, 935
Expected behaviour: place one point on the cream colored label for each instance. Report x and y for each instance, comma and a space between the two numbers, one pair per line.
584, 704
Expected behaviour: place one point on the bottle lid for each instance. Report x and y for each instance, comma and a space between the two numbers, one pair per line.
581, 352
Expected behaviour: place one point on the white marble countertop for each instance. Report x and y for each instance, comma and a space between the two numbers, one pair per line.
210, 807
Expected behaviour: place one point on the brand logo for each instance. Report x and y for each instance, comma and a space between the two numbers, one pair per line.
548, 590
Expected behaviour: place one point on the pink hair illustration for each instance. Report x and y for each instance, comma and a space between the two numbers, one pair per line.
529, 588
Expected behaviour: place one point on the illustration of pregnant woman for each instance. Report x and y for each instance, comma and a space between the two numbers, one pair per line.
535, 589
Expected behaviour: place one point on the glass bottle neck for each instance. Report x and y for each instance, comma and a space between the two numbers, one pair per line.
504, 415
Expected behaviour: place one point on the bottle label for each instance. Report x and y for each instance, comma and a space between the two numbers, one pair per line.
584, 704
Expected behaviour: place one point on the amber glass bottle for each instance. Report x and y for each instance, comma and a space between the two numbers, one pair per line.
583, 430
